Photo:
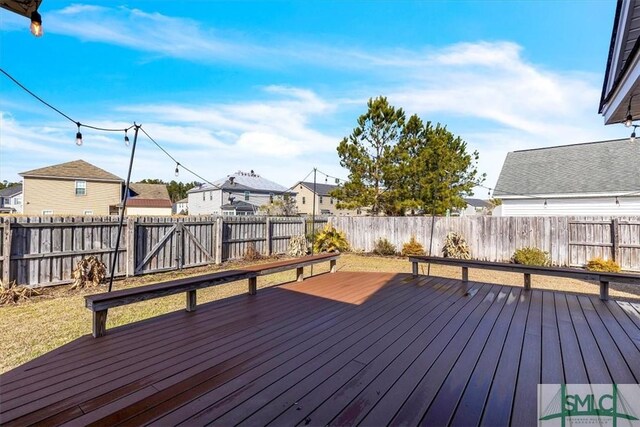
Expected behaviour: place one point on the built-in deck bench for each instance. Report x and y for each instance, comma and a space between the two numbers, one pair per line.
100, 303
602, 277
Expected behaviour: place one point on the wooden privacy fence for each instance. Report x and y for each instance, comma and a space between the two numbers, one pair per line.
41, 251
570, 241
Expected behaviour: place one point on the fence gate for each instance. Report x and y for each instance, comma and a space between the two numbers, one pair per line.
164, 246
617, 239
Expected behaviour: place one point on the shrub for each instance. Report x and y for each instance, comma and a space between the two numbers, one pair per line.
384, 247
251, 254
13, 294
297, 246
599, 264
531, 256
412, 247
89, 271
455, 247
330, 240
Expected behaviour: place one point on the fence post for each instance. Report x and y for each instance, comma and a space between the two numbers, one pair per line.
131, 246
615, 239
6, 252
268, 236
218, 231
179, 248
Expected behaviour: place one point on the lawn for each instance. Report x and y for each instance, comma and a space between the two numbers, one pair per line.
35, 327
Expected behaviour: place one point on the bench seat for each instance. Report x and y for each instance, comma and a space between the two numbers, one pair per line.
100, 303
603, 277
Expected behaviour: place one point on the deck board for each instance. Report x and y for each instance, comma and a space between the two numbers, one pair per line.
343, 348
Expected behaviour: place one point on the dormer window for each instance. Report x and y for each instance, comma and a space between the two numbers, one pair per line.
247, 194
81, 188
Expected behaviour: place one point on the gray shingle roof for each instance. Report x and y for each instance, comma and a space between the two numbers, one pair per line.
11, 191
243, 181
321, 189
594, 167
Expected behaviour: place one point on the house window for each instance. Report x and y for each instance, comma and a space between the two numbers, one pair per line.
47, 212
204, 194
246, 195
89, 212
320, 199
17, 200
81, 188
304, 200
210, 195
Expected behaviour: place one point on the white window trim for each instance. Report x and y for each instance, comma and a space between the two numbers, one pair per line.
83, 187
47, 212
88, 212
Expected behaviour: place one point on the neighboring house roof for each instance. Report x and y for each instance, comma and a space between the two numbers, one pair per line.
478, 203
11, 191
321, 189
185, 200
77, 169
239, 206
243, 181
594, 167
149, 191
149, 196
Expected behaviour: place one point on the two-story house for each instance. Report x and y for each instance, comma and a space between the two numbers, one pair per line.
325, 204
72, 188
241, 193
11, 199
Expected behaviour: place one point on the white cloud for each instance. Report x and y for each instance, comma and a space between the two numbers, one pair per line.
487, 92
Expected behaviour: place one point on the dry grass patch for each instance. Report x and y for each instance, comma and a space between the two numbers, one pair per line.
43, 323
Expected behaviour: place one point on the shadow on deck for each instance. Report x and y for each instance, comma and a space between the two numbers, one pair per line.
342, 349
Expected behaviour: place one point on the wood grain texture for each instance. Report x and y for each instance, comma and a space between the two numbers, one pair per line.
336, 348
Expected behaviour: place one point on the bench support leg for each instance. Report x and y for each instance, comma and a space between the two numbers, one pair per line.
99, 323
191, 300
527, 281
465, 274
300, 274
253, 285
332, 265
604, 291
414, 269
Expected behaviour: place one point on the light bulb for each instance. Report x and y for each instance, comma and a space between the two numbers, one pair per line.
617, 201
545, 203
126, 139
36, 24
632, 138
629, 121
177, 172
78, 139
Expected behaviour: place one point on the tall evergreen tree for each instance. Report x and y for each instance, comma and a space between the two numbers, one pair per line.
397, 166
367, 153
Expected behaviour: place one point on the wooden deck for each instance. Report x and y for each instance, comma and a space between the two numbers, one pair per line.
342, 349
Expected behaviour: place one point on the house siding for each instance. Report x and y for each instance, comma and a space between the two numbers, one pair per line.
601, 206
141, 211
211, 204
58, 195
307, 207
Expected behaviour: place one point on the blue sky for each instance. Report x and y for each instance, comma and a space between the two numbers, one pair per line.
274, 86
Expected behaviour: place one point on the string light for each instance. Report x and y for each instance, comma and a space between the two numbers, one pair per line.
177, 172
545, 203
36, 24
617, 201
629, 121
78, 135
126, 138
